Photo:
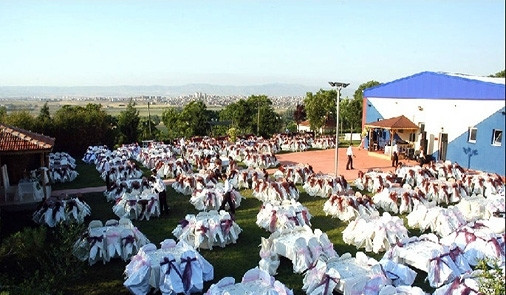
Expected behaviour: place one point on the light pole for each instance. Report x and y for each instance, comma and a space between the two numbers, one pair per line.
258, 117
339, 86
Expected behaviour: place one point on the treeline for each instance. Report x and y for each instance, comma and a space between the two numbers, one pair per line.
76, 127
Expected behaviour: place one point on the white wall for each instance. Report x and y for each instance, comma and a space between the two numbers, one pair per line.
454, 115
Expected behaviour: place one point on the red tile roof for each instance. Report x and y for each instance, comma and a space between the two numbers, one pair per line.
13, 139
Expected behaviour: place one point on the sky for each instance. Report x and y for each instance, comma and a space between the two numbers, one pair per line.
149, 42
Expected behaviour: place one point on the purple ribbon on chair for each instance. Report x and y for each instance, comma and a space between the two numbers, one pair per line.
454, 253
94, 239
470, 237
151, 203
304, 216
274, 220
209, 199
187, 272
56, 207
437, 267
203, 230
294, 219
143, 204
183, 223
225, 226
454, 286
326, 280
71, 204
498, 249
171, 265
129, 239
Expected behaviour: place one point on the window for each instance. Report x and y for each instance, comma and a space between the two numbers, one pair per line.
412, 137
496, 137
472, 134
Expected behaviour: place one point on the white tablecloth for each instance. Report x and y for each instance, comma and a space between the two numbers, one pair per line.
300, 245
137, 205
254, 281
208, 229
55, 210
31, 190
83, 249
148, 263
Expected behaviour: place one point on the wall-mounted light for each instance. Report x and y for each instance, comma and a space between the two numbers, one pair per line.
420, 108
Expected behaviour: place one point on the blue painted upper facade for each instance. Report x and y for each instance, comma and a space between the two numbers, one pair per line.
438, 85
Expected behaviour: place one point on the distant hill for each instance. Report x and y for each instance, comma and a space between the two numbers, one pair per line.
274, 89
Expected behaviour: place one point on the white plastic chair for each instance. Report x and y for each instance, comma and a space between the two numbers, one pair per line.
138, 282
95, 223
125, 223
129, 245
170, 276
112, 222
8, 189
189, 260
113, 242
98, 250
168, 244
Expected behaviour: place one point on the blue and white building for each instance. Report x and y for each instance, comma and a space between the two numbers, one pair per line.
461, 118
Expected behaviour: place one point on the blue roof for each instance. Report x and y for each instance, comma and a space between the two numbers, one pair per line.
441, 85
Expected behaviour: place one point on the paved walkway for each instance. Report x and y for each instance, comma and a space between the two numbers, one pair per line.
324, 161
321, 161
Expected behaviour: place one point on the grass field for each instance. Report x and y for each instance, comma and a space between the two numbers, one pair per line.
233, 260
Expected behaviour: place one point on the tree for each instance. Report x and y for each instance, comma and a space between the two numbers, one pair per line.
264, 121
3, 113
500, 74
170, 118
76, 128
21, 119
239, 113
147, 129
359, 93
358, 98
44, 122
320, 107
194, 119
352, 113
299, 114
128, 124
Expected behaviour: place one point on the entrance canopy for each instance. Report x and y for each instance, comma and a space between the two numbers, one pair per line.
394, 126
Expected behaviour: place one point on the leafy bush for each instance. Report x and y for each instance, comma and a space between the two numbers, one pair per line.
39, 260
492, 279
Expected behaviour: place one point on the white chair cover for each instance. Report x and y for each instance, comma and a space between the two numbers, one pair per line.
138, 282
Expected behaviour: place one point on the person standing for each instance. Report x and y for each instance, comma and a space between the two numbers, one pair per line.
227, 196
349, 153
107, 170
395, 155
421, 157
160, 189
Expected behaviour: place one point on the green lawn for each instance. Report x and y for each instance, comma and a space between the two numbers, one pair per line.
233, 260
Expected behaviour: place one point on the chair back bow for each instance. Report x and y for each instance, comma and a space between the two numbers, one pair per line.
171, 265
187, 272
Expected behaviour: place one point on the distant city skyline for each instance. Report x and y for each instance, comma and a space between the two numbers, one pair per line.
153, 42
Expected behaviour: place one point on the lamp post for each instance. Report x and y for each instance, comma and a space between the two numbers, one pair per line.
339, 86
